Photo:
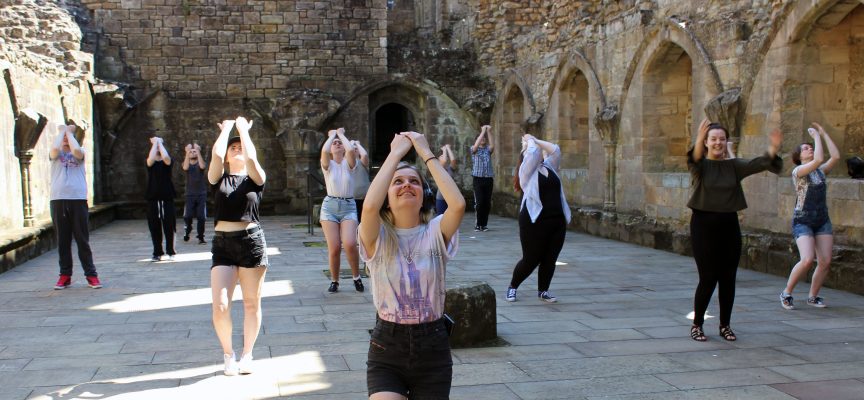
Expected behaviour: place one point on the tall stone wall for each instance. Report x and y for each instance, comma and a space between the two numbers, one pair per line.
237, 49
622, 86
46, 79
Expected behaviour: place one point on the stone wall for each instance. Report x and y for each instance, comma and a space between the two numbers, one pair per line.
236, 49
654, 67
46, 79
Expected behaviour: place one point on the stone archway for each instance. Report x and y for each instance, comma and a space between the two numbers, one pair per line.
667, 110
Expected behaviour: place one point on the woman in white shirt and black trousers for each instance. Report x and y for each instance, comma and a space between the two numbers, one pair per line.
543, 216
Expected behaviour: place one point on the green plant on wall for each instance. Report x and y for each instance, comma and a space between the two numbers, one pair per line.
187, 6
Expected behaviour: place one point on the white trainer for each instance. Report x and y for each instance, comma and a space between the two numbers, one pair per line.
231, 367
245, 364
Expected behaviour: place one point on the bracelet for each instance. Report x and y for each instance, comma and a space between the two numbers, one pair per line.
427, 160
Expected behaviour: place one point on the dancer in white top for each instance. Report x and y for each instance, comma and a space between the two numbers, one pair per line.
338, 210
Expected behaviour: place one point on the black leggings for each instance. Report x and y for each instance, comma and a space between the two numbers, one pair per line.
541, 243
716, 240
482, 199
162, 219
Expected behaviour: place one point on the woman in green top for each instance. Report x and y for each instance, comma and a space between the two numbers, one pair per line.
714, 232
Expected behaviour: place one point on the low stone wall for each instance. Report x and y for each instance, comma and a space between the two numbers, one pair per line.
18, 246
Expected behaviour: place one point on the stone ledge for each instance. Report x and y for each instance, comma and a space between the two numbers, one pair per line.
19, 245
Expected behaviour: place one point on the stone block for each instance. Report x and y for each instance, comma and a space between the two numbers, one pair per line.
472, 307
137, 41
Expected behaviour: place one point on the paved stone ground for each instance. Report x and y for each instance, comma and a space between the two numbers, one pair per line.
619, 331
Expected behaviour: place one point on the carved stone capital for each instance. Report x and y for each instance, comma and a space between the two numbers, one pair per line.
606, 122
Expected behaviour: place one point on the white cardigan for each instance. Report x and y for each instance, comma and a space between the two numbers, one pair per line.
531, 162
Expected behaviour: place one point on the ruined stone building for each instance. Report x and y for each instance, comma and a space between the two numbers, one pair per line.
621, 85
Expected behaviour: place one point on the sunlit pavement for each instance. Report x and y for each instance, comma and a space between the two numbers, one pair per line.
619, 330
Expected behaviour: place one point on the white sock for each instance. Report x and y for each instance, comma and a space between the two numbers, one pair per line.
356, 277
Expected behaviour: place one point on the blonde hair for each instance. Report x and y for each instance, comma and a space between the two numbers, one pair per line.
390, 241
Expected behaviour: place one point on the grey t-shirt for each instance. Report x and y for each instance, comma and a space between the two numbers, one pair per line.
68, 178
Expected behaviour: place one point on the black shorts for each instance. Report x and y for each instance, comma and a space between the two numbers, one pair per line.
245, 248
412, 360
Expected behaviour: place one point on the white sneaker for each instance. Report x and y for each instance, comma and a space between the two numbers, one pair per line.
231, 367
170, 257
245, 364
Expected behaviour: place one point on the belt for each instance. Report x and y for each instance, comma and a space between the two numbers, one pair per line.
340, 198
244, 232
426, 327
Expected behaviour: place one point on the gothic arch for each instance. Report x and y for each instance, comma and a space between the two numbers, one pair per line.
576, 60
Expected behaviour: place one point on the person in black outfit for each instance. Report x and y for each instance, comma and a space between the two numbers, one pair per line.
239, 248
160, 200
714, 231
543, 216
196, 192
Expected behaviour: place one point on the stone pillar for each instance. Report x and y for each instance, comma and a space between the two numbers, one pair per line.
24, 159
606, 123
28, 127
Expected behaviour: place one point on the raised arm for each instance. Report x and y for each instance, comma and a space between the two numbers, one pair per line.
57, 145
325, 150
451, 219
253, 167
450, 156
350, 155
370, 228
479, 139
186, 158
443, 159
532, 157
730, 150
220, 148
201, 163
818, 155
553, 153
833, 152
769, 162
74, 146
489, 142
162, 151
154, 150
362, 153
699, 144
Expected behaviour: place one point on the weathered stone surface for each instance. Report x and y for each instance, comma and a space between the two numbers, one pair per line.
472, 307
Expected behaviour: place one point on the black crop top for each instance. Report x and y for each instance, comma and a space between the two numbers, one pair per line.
237, 198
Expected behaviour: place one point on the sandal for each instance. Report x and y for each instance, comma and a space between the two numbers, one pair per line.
727, 333
697, 334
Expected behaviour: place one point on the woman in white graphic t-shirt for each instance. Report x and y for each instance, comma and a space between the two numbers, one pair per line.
406, 251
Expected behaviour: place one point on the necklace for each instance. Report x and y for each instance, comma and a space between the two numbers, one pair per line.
412, 245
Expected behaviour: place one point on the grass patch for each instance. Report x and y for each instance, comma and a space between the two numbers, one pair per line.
315, 244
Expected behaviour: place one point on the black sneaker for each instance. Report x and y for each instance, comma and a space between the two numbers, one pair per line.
202, 241
358, 284
334, 287
477, 229
186, 237
484, 229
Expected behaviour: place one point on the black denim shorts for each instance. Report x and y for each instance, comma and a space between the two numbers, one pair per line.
413, 360
245, 248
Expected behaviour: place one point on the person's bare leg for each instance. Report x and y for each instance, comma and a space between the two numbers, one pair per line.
251, 283
806, 248
334, 246
348, 229
387, 396
824, 247
223, 280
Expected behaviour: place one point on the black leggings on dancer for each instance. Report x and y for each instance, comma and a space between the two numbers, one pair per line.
541, 243
716, 239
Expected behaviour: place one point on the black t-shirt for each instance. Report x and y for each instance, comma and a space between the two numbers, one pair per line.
196, 180
159, 183
237, 198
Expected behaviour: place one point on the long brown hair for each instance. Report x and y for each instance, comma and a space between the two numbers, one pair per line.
516, 186
390, 241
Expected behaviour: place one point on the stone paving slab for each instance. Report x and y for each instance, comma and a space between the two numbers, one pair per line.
619, 330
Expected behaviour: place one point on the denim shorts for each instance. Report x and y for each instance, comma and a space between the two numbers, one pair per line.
799, 230
412, 360
338, 209
245, 248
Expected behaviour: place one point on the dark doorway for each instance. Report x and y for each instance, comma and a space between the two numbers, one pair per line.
390, 119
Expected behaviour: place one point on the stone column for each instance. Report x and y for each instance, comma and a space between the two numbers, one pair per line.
606, 123
28, 127
24, 159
